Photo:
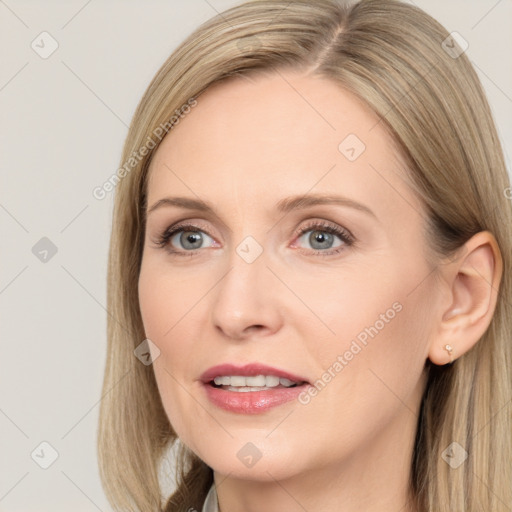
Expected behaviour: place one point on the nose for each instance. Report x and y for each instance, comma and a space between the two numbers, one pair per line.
246, 302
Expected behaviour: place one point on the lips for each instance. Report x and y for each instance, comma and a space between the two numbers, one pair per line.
240, 389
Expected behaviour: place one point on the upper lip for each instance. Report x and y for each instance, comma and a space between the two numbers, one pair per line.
248, 370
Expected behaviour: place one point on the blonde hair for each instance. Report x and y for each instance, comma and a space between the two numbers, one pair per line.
392, 56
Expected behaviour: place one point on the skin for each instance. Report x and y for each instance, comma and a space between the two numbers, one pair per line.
246, 145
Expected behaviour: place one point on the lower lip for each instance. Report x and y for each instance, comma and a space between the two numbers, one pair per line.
252, 402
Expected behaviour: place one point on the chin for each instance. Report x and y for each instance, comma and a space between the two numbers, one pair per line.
259, 459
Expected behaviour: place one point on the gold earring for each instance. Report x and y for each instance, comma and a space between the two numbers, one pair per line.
449, 349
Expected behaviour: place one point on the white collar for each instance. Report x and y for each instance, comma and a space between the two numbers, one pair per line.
211, 503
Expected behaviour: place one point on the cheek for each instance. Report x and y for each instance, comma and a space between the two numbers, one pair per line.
371, 366
164, 298
166, 302
371, 327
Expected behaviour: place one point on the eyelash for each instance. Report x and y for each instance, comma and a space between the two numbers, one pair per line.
346, 237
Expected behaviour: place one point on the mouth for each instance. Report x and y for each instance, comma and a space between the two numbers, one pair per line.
250, 389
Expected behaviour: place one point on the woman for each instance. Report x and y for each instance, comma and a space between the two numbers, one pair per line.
309, 274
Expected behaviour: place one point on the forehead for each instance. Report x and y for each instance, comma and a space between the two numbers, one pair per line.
261, 135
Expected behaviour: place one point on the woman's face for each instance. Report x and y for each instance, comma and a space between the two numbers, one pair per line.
333, 293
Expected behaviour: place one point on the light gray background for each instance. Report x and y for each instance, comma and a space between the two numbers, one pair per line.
64, 120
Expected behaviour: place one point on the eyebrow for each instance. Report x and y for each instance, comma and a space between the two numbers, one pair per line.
283, 206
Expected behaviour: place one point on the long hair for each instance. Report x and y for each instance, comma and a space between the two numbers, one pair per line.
403, 65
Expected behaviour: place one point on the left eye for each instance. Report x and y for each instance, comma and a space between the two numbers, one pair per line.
321, 238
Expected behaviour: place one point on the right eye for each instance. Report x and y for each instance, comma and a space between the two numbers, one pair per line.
184, 239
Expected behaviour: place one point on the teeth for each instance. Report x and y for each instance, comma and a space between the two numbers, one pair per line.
243, 389
237, 381
272, 381
258, 381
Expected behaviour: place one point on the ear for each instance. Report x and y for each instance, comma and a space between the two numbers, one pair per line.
473, 279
